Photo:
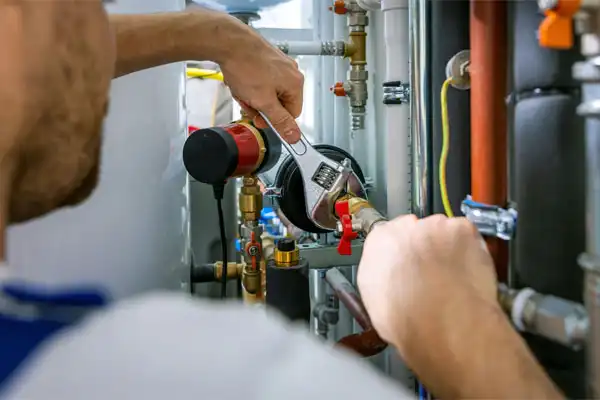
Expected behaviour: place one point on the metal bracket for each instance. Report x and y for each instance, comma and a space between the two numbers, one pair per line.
490, 220
322, 257
396, 92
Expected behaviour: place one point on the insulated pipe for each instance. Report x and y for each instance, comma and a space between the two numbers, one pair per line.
397, 116
420, 103
488, 30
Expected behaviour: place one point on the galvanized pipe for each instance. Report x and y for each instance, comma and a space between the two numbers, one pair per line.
327, 48
420, 108
591, 260
589, 74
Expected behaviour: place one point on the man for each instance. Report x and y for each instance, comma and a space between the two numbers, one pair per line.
428, 285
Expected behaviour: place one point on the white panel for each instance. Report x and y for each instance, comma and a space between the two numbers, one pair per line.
132, 235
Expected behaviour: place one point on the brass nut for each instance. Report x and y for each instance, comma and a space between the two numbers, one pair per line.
286, 258
233, 270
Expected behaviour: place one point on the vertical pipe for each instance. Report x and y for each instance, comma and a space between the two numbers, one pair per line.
397, 116
591, 260
326, 134
420, 103
318, 295
341, 130
488, 31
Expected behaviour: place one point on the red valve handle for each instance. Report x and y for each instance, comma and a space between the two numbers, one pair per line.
342, 209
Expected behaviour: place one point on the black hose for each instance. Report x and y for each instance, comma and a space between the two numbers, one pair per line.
218, 193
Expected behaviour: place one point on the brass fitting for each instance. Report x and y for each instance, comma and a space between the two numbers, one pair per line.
251, 280
357, 48
234, 270
250, 199
364, 215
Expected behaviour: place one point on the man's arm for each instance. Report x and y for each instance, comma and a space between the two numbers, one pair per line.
260, 76
480, 355
150, 40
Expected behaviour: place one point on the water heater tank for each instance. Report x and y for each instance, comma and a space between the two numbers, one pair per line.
235, 6
132, 234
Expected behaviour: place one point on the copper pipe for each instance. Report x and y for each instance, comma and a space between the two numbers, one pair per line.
367, 343
488, 71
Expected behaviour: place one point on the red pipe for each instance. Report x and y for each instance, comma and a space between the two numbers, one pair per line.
488, 71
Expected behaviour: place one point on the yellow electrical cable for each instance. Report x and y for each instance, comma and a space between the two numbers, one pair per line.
204, 74
445, 148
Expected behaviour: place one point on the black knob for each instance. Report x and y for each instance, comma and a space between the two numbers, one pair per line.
286, 245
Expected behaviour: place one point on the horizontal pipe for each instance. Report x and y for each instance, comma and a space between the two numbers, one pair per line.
328, 48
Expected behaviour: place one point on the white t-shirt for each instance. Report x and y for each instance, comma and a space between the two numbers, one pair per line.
169, 346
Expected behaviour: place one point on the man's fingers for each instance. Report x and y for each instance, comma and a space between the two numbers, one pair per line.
249, 111
282, 121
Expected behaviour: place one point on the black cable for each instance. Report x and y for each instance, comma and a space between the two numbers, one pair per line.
218, 193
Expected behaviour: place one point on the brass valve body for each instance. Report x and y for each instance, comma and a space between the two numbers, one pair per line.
250, 199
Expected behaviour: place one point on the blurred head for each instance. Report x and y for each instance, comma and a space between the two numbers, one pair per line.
57, 64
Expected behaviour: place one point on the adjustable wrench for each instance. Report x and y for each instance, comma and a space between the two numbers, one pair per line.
324, 180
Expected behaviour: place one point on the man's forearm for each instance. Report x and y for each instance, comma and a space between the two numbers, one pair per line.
479, 355
150, 40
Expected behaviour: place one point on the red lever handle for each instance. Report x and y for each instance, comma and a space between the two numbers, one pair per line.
342, 209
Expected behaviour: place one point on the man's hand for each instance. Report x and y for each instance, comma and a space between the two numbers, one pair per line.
411, 264
430, 289
262, 78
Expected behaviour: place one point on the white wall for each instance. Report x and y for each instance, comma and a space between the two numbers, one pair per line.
132, 234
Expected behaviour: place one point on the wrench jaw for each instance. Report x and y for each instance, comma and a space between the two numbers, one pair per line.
321, 208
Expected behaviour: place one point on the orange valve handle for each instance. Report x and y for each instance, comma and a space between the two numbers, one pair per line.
556, 30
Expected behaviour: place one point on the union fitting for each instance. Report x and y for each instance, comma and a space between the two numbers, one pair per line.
556, 319
250, 199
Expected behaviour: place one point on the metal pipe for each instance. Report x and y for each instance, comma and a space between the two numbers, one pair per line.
318, 296
420, 103
327, 48
341, 109
367, 343
488, 71
591, 260
397, 109
348, 296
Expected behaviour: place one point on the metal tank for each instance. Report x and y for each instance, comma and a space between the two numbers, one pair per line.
131, 235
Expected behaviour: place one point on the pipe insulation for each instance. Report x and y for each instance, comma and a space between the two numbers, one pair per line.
548, 184
397, 116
